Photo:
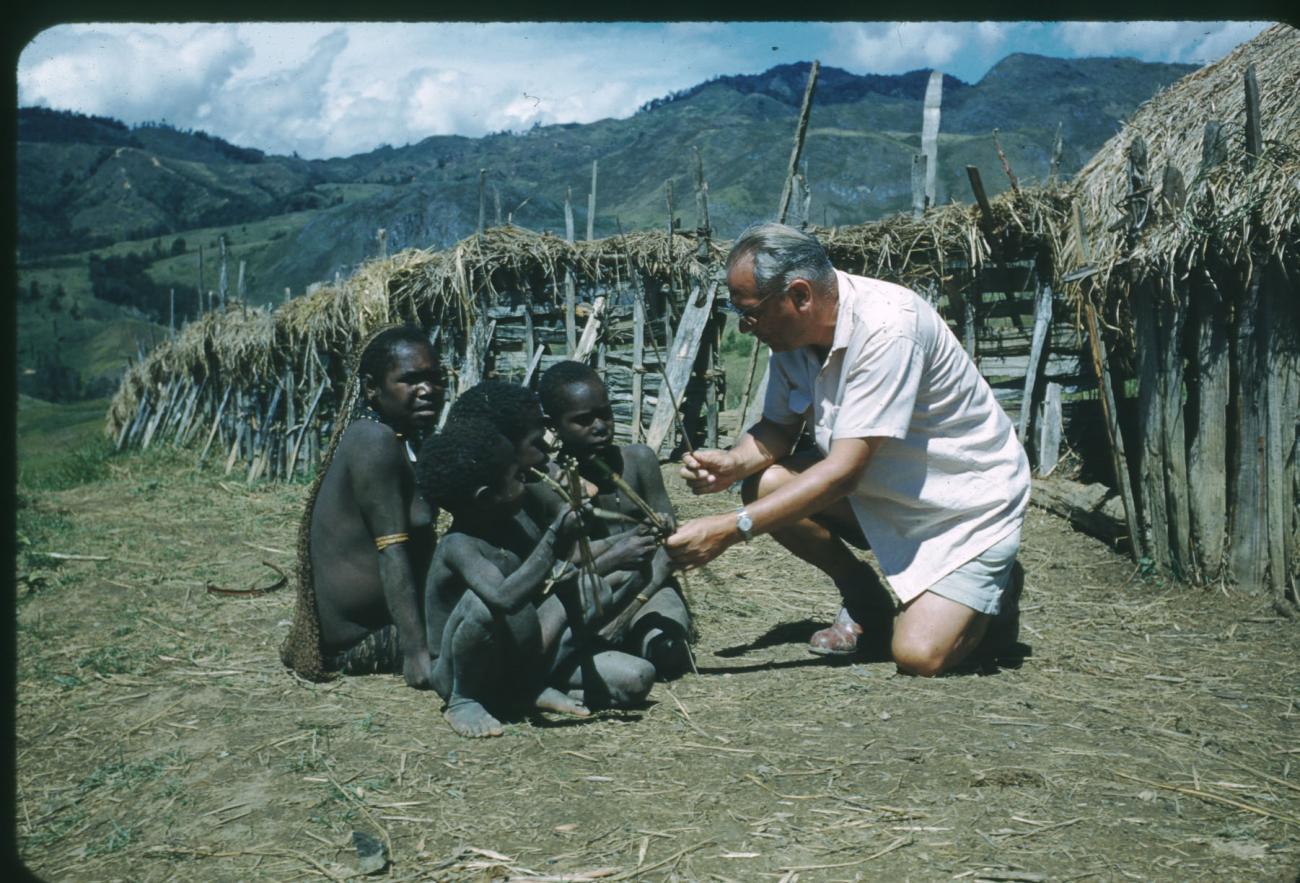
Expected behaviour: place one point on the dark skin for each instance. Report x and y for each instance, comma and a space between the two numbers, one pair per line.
369, 491
632, 560
494, 632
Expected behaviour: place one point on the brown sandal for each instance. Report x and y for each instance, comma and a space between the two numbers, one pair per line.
839, 639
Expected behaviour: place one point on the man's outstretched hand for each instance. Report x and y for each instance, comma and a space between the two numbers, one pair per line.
700, 540
708, 471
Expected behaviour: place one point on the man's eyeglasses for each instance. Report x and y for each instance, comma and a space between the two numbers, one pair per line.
749, 314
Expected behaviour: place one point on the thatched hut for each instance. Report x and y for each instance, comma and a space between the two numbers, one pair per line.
1184, 258
261, 387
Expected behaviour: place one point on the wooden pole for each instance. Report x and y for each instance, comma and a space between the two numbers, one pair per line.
1042, 327
712, 377
1049, 430
171, 312
638, 364
568, 216
1254, 131
801, 130
202, 288
986, 225
1006, 166
701, 199
930, 134
570, 292
482, 204
216, 423
591, 205
1058, 148
1106, 390
1119, 463
918, 184
1171, 314
1207, 452
222, 282
305, 432
530, 344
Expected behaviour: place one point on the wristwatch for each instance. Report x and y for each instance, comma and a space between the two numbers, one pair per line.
744, 523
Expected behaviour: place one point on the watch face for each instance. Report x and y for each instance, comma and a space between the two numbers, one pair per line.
744, 523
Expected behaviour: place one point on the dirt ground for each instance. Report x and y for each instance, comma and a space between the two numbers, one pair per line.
1151, 735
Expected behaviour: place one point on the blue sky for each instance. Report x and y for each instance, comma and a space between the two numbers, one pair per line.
327, 89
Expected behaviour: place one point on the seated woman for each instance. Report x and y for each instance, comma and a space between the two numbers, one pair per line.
367, 535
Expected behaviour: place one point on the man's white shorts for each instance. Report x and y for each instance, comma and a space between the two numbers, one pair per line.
980, 583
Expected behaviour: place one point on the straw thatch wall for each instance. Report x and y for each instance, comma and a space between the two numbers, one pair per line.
1184, 255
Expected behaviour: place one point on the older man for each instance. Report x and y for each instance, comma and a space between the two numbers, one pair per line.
914, 457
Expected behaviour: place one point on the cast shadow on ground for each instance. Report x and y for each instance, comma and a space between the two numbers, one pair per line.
616, 715
871, 650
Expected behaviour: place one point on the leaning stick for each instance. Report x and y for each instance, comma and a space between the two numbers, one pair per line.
663, 364
632, 495
602, 514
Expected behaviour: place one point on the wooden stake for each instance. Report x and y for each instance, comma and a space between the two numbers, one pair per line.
1058, 148
701, 199
591, 205
1254, 132
638, 364
918, 184
306, 426
482, 205
800, 130
1042, 328
1049, 430
930, 134
216, 423
222, 284
1006, 166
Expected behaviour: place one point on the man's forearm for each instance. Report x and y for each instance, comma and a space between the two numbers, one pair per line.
820, 485
762, 445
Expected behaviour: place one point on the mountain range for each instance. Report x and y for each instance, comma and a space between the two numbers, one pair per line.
89, 184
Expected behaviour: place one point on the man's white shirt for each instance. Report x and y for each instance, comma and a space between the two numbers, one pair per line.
949, 478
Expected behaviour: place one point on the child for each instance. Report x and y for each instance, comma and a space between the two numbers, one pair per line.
645, 620
495, 637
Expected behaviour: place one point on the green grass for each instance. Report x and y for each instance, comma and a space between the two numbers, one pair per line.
61, 446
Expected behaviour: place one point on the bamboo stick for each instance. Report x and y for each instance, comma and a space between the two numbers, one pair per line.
216, 423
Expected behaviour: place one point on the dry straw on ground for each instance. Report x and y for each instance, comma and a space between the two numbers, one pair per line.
1150, 735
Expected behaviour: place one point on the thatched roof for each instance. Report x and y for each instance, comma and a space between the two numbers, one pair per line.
447, 287
1230, 204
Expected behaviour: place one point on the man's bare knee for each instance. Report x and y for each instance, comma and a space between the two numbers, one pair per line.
760, 484
920, 657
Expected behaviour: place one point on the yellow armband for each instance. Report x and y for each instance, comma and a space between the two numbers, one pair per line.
392, 539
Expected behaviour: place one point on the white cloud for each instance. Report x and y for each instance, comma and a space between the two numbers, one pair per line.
131, 73
1180, 41
334, 89
896, 47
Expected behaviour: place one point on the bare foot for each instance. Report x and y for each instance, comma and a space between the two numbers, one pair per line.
552, 699
472, 720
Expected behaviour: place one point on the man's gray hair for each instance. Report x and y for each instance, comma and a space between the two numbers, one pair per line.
781, 255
